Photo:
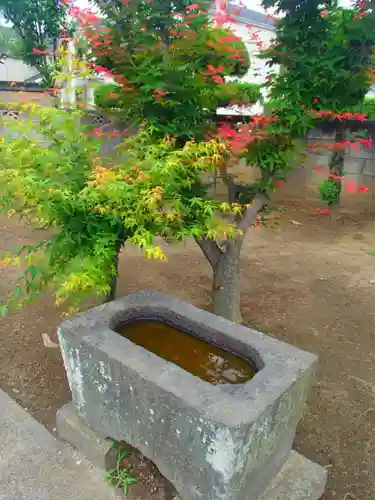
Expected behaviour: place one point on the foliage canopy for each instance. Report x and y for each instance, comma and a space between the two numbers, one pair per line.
169, 61
89, 210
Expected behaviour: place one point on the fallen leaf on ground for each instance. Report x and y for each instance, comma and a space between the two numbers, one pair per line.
48, 342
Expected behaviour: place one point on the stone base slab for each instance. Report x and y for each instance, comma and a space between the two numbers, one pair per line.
298, 479
72, 429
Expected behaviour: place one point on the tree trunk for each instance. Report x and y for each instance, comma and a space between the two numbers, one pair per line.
225, 263
336, 168
226, 285
111, 295
55, 47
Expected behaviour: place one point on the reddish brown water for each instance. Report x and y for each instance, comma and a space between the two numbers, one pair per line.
196, 356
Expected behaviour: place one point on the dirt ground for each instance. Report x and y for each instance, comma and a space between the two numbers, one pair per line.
311, 282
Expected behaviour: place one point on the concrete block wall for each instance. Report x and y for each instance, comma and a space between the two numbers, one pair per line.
304, 179
359, 168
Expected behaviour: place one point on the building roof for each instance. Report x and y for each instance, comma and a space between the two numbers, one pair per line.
248, 16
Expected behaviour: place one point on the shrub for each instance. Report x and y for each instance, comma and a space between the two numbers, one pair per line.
238, 93
108, 96
329, 191
367, 107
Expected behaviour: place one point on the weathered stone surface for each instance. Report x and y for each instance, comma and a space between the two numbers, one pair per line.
298, 479
76, 432
210, 444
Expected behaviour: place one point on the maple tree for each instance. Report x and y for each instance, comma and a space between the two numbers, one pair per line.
155, 190
170, 96
328, 68
171, 81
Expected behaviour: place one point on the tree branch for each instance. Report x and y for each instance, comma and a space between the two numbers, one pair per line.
249, 216
235, 190
229, 183
210, 250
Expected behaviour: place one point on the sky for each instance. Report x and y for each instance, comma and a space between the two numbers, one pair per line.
257, 4
250, 4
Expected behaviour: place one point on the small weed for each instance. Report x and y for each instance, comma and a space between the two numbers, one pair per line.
120, 477
329, 191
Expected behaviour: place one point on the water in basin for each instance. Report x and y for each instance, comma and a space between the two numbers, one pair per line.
203, 359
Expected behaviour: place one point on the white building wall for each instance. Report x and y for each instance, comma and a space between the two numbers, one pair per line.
15, 70
258, 69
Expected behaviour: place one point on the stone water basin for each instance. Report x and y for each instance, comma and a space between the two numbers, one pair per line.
218, 439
